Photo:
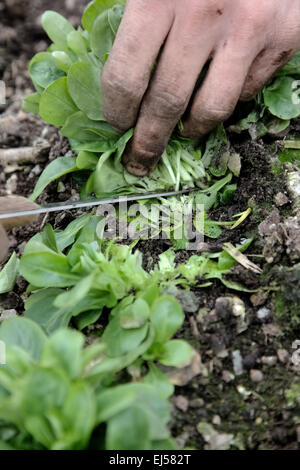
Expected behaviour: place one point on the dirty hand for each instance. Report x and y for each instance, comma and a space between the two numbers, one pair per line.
246, 40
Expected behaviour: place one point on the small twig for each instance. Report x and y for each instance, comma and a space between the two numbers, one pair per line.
241, 258
44, 221
194, 327
22, 155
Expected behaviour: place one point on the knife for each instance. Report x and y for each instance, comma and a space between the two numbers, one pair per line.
63, 206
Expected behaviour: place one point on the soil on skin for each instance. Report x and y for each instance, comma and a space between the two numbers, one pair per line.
250, 408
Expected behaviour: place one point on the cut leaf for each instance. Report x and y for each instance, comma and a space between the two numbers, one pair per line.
56, 169
9, 274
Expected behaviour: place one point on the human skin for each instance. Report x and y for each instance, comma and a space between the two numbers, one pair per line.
13, 204
246, 42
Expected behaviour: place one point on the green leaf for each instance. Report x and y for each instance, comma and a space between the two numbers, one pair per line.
63, 350
106, 177
43, 390
9, 274
176, 353
292, 67
276, 125
79, 417
67, 236
31, 103
155, 406
70, 299
56, 169
216, 140
48, 238
77, 43
135, 315
112, 401
95, 147
47, 269
94, 9
208, 197
87, 160
62, 60
87, 318
245, 123
282, 98
79, 127
129, 430
159, 380
102, 37
40, 308
57, 28
115, 15
228, 193
56, 104
211, 229
25, 334
167, 261
120, 341
44, 71
84, 88
167, 317
235, 285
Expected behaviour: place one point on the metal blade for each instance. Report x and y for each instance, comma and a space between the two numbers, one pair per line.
63, 206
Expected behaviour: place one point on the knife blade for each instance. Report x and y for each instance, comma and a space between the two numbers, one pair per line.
63, 206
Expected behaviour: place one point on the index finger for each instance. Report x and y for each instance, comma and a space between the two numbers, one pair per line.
126, 74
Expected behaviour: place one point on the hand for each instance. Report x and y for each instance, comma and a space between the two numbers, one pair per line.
13, 204
246, 41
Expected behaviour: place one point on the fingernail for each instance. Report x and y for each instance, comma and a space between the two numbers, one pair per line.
136, 169
139, 163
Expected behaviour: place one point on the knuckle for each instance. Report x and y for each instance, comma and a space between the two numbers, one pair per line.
213, 113
248, 95
114, 84
166, 104
204, 11
255, 20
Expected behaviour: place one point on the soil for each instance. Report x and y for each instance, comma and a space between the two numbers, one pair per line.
246, 405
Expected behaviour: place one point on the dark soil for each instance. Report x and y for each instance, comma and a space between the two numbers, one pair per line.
251, 405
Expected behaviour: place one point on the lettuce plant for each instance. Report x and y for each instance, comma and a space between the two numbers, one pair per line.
276, 105
68, 95
51, 397
75, 275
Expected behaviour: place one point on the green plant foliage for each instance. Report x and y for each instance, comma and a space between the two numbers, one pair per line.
279, 98
54, 393
73, 273
48, 400
9, 274
68, 94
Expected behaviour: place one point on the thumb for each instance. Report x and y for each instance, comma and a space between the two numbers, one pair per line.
16, 204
